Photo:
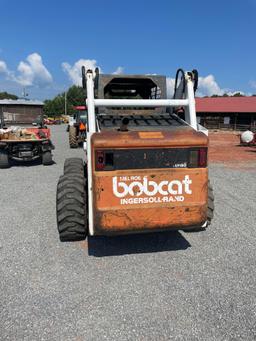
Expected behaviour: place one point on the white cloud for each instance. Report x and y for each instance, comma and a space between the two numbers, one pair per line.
31, 72
207, 86
118, 71
5, 71
3, 67
252, 84
74, 72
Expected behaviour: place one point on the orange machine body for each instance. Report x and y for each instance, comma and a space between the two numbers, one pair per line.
137, 199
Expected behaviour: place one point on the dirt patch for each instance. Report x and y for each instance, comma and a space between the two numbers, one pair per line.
225, 148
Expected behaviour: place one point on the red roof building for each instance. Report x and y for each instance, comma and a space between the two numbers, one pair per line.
227, 112
226, 104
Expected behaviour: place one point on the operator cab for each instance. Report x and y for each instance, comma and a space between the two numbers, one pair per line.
80, 116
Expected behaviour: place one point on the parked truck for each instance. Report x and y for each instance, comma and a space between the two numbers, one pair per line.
24, 138
146, 168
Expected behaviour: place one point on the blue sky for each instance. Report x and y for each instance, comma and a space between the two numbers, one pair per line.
44, 43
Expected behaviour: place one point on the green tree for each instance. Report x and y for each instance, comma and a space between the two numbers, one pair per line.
76, 95
238, 94
6, 95
56, 106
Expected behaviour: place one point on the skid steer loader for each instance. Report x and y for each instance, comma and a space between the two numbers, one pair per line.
146, 167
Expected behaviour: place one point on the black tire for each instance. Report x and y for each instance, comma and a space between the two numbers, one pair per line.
4, 160
71, 207
47, 158
74, 165
210, 211
72, 137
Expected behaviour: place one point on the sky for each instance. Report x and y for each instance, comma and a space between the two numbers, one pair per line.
43, 44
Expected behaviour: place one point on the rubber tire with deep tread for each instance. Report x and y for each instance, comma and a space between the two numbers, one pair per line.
47, 158
74, 165
210, 210
71, 207
72, 137
4, 160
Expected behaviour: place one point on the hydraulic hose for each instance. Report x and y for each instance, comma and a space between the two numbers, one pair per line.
176, 81
195, 78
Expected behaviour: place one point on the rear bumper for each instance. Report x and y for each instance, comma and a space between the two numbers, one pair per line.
116, 212
24, 158
150, 220
26, 150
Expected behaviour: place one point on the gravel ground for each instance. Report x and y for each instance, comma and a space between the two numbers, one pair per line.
178, 286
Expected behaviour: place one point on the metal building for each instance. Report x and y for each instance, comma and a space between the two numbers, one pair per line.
20, 111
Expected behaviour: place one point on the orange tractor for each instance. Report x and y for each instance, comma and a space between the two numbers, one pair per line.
146, 168
77, 128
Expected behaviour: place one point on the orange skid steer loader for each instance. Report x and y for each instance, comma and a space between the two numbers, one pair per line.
146, 166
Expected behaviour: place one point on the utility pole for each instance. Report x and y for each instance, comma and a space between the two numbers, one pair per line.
24, 93
65, 102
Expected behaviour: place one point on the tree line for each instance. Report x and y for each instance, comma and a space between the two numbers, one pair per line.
236, 94
6, 95
74, 96
55, 107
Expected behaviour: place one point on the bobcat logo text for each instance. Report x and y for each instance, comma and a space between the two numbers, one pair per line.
143, 190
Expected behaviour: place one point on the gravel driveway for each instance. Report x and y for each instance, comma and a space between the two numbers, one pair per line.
162, 286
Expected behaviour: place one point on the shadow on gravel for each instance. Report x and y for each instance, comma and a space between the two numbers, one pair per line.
136, 243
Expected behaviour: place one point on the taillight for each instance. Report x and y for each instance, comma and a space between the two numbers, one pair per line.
100, 160
104, 160
202, 157
198, 158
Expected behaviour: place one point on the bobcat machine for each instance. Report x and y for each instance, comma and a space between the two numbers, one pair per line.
146, 167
